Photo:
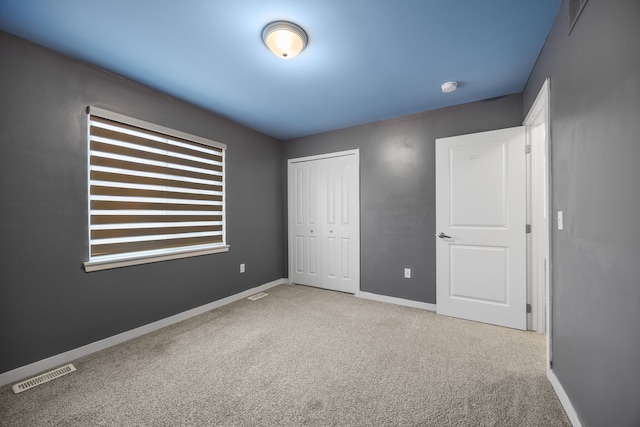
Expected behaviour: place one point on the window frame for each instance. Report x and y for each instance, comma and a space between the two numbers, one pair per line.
137, 258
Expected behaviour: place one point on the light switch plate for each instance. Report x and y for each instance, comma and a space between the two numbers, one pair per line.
560, 221
407, 273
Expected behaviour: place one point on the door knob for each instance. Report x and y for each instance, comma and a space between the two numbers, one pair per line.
443, 236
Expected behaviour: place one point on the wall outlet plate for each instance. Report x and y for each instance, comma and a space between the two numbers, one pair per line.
407, 273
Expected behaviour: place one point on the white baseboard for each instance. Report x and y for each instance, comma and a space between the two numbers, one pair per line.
564, 399
71, 355
398, 301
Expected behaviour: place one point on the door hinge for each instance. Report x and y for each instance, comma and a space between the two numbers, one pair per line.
528, 229
551, 364
527, 149
528, 308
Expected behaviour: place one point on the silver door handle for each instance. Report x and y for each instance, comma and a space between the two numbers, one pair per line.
443, 236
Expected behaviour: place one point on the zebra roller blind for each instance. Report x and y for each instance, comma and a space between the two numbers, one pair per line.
154, 193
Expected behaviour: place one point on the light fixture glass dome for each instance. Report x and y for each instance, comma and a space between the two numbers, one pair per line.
285, 39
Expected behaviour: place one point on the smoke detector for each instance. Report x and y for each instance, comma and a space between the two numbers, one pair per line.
449, 87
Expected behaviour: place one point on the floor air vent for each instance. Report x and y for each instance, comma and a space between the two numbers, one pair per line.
575, 9
257, 296
40, 379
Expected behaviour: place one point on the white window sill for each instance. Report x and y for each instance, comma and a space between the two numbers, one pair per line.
90, 266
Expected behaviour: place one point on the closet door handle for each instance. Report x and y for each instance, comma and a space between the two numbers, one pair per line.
443, 236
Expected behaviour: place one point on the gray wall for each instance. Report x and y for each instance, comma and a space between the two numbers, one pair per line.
397, 193
48, 304
595, 129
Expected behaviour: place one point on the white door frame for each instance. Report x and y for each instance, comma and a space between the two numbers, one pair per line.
356, 236
540, 290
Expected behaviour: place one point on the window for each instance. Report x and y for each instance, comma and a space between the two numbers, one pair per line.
154, 193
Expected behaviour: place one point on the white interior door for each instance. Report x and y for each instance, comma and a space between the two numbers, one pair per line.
324, 221
480, 221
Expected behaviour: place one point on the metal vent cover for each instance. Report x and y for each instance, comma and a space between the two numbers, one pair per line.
257, 296
43, 378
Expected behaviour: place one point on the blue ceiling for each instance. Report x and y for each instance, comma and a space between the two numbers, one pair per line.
366, 60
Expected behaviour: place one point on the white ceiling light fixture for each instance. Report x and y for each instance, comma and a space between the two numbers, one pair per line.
448, 87
285, 39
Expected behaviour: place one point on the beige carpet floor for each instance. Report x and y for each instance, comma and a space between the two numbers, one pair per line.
304, 357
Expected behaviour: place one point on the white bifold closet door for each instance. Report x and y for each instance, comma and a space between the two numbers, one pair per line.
324, 221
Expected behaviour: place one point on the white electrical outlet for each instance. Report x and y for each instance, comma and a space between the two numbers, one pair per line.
242, 268
407, 273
